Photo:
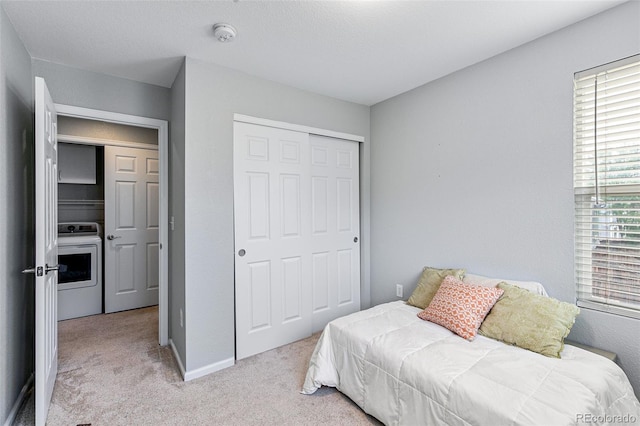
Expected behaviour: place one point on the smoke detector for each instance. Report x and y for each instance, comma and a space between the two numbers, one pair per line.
224, 32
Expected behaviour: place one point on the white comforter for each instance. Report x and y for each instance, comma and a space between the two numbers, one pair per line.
403, 370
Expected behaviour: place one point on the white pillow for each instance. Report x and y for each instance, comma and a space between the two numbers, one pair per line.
532, 286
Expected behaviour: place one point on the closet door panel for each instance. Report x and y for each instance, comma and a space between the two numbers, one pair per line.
272, 224
336, 233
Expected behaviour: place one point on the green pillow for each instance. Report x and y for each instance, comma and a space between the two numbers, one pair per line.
429, 283
529, 320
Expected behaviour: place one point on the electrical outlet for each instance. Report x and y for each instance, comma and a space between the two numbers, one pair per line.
181, 318
399, 290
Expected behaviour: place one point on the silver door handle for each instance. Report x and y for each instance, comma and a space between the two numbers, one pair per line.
48, 268
38, 271
112, 237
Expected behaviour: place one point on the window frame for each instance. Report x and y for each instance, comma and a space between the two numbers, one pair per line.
591, 187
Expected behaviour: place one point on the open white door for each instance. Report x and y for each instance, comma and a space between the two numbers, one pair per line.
132, 222
46, 246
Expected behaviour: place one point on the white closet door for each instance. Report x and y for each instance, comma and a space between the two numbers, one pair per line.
131, 246
297, 230
271, 175
335, 228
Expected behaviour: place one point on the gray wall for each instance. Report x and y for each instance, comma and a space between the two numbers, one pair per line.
176, 209
213, 95
474, 170
73, 126
16, 217
72, 86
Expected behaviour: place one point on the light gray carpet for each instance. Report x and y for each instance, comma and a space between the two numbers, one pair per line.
112, 372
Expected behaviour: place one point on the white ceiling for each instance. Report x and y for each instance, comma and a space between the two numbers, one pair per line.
360, 51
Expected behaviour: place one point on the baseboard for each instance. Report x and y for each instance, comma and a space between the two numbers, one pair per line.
202, 371
21, 397
208, 369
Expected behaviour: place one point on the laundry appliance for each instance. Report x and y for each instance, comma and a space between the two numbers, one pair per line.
80, 270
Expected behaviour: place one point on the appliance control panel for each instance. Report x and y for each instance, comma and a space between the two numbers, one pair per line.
82, 228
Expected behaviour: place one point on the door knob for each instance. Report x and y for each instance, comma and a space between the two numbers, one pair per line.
112, 237
242, 252
34, 270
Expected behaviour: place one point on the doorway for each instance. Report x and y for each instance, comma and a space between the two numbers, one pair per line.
160, 133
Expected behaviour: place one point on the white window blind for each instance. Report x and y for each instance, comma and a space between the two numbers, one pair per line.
606, 173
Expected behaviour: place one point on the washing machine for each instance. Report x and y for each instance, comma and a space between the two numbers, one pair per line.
80, 270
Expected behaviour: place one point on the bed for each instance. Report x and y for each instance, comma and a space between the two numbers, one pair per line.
406, 371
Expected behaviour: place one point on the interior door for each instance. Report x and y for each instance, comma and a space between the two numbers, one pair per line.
272, 222
46, 246
335, 228
131, 246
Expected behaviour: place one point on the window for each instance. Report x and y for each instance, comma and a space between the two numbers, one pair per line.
606, 181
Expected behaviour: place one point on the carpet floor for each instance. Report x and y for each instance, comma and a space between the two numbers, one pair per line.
112, 372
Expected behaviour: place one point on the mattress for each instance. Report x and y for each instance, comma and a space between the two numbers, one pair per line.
405, 371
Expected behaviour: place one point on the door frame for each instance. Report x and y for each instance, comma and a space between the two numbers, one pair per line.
162, 126
296, 127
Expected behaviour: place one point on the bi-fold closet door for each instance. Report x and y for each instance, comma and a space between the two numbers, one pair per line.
297, 230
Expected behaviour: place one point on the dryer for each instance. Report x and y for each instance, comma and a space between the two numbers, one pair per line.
80, 270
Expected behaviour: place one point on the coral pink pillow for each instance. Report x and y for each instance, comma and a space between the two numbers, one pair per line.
461, 307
